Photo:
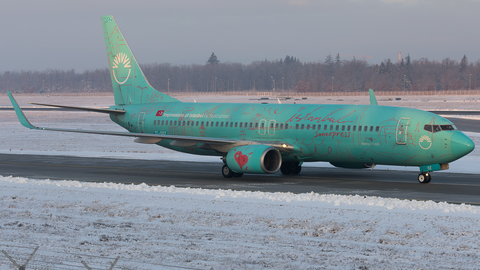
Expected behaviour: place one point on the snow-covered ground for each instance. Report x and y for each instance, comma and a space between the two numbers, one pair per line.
168, 227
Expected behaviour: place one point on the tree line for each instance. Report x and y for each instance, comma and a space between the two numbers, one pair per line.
285, 74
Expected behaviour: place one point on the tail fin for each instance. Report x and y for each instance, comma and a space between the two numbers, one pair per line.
129, 84
373, 100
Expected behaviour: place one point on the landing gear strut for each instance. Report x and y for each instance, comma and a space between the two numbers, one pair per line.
227, 173
290, 168
424, 177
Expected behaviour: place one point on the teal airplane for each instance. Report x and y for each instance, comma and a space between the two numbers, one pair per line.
266, 138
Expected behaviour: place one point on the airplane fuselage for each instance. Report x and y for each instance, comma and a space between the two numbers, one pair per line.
346, 135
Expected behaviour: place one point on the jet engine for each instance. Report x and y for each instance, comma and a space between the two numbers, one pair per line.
254, 158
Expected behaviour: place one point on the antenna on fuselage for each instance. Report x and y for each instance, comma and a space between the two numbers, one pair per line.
373, 100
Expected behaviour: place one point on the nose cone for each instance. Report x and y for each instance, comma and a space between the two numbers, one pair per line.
461, 145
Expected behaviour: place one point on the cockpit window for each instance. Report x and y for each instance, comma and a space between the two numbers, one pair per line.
437, 128
447, 127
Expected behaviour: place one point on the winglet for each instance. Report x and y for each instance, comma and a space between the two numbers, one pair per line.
21, 117
373, 100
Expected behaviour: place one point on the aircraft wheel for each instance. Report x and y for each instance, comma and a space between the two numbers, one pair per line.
297, 169
226, 172
424, 178
237, 174
286, 168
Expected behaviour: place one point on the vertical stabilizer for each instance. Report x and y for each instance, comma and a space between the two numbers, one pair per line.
129, 84
373, 100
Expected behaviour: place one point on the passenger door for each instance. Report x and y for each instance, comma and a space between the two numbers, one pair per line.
401, 132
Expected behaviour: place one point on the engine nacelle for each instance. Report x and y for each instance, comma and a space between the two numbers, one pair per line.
351, 165
254, 158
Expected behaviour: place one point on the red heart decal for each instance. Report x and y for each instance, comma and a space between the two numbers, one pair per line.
241, 159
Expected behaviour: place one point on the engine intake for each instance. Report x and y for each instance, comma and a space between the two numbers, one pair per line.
255, 158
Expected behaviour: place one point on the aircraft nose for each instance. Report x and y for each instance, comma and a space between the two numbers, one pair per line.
461, 145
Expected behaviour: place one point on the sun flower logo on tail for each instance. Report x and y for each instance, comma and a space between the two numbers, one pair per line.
121, 63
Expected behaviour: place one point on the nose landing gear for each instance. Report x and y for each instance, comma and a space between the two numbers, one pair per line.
424, 177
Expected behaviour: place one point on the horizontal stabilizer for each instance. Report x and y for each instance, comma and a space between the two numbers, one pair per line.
98, 110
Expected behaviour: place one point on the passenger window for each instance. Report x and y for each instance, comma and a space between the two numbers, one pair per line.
325, 127
348, 128
276, 126
175, 123
236, 124
343, 128
296, 126
286, 126
241, 124
336, 127
319, 127
354, 128
313, 127
251, 124
359, 128
365, 128
231, 124
303, 125
281, 126
201, 124
256, 125
262, 125
371, 128
216, 124
331, 127
221, 124
271, 125
308, 126
377, 129
171, 122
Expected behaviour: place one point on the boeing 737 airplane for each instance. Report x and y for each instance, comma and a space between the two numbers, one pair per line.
266, 138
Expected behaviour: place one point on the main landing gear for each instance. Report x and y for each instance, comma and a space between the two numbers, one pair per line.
290, 168
227, 173
424, 177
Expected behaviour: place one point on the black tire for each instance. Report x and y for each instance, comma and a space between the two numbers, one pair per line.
286, 168
237, 174
424, 178
226, 172
297, 169
429, 177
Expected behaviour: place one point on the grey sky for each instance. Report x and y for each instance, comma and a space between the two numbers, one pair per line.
62, 34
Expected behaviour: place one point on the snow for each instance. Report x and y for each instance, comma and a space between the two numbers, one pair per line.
151, 226
157, 227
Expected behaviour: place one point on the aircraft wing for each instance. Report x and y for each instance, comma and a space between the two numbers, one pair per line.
218, 144
99, 110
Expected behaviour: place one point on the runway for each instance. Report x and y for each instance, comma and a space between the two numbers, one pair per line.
451, 187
